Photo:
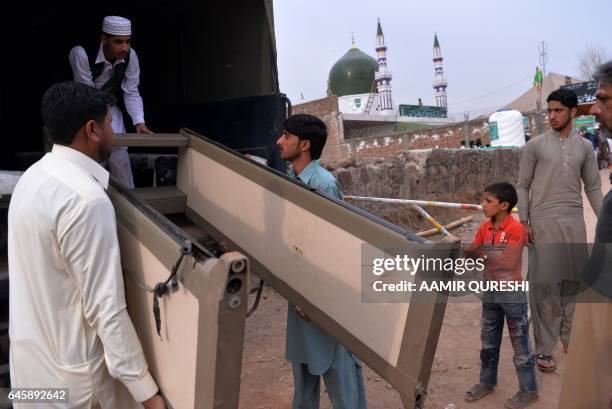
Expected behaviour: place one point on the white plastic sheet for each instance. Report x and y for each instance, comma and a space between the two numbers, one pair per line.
8, 180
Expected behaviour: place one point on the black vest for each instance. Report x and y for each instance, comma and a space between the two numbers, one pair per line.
113, 85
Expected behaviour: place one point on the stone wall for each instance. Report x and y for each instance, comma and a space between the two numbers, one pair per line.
431, 173
453, 175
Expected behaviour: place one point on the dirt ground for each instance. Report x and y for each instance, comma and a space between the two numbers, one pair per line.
267, 381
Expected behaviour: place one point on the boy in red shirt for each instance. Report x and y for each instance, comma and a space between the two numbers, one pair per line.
500, 242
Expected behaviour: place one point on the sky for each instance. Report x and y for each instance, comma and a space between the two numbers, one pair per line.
490, 47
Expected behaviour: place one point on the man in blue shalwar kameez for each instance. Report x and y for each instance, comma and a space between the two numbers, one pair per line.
312, 352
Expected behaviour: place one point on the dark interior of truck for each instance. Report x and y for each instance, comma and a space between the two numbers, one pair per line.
208, 66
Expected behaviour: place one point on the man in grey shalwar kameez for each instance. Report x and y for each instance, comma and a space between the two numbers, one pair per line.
553, 167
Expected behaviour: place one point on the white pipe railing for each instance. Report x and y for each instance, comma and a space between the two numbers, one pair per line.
425, 203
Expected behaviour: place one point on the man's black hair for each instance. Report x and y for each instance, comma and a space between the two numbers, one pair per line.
504, 192
310, 128
565, 97
603, 73
67, 106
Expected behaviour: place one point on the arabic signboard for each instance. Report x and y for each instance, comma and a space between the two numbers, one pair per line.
584, 90
422, 111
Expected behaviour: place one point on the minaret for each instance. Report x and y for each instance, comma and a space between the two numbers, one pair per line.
383, 75
439, 82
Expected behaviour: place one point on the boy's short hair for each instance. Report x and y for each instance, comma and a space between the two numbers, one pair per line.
310, 128
566, 97
504, 192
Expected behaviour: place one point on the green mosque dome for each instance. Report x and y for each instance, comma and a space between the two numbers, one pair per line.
352, 74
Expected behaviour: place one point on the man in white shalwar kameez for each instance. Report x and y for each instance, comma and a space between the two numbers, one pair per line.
68, 323
114, 67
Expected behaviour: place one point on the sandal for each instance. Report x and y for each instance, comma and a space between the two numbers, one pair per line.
546, 363
478, 391
521, 400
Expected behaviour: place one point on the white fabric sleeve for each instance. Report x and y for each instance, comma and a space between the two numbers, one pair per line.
90, 250
80, 66
131, 94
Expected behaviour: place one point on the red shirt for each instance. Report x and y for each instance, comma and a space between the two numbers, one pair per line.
503, 248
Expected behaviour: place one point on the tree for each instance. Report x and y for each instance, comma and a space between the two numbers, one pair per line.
593, 56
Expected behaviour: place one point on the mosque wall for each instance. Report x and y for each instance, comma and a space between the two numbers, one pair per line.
357, 104
327, 109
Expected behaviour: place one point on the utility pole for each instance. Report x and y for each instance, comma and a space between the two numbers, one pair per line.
543, 51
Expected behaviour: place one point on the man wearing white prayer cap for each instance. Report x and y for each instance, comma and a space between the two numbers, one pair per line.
114, 68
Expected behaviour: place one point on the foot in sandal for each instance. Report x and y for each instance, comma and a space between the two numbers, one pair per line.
545, 363
478, 391
521, 400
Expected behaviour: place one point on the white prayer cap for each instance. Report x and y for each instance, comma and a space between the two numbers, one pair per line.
118, 26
